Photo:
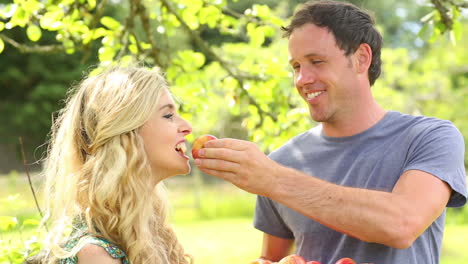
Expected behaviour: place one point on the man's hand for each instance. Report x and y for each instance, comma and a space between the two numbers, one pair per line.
239, 162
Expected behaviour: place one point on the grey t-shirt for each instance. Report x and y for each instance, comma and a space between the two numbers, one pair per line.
373, 159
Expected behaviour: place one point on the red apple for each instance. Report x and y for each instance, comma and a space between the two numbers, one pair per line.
261, 261
292, 259
345, 261
313, 262
199, 143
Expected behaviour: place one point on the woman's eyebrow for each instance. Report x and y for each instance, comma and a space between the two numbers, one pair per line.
170, 106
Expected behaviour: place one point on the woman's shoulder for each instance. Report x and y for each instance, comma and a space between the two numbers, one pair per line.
91, 253
93, 249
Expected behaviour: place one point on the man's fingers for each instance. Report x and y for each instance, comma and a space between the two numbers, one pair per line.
216, 164
223, 175
221, 154
230, 143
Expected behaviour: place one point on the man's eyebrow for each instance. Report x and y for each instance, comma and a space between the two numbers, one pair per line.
170, 106
312, 54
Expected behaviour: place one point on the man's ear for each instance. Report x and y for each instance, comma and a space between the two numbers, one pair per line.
363, 57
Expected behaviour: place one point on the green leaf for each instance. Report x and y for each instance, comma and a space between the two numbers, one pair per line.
91, 4
2, 45
440, 26
424, 33
7, 222
34, 33
51, 20
69, 46
262, 11
210, 15
100, 32
145, 46
190, 60
457, 29
427, 17
455, 12
110, 23
106, 54
31, 6
133, 48
190, 19
257, 35
31, 222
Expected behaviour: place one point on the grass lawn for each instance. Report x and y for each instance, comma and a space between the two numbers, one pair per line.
220, 241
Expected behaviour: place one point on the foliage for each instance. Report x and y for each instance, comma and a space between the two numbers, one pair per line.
14, 246
251, 90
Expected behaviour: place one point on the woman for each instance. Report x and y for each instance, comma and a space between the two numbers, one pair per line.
117, 138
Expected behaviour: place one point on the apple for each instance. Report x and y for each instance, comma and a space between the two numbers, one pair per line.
262, 261
345, 261
313, 262
292, 259
199, 143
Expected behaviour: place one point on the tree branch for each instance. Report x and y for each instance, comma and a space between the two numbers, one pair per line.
97, 16
207, 50
32, 49
140, 10
443, 11
461, 5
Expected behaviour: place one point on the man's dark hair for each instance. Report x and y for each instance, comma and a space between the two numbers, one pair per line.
350, 25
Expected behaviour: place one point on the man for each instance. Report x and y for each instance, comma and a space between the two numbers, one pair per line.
366, 183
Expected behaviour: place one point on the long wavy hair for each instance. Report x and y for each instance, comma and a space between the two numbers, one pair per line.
97, 172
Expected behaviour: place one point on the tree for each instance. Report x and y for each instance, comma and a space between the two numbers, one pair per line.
245, 80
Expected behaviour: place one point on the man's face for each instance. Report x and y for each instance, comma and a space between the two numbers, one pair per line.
323, 75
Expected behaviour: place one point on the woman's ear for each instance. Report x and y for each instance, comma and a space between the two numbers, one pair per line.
363, 56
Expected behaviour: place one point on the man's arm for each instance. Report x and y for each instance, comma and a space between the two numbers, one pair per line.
275, 248
394, 218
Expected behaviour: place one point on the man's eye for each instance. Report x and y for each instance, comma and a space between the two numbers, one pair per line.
316, 61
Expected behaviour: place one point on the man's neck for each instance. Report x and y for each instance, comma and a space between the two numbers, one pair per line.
354, 122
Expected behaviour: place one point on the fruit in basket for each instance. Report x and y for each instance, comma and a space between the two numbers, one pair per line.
199, 143
292, 259
345, 261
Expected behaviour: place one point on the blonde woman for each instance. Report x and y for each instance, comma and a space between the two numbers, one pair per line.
116, 139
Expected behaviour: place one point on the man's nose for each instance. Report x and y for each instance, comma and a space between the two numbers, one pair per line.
304, 76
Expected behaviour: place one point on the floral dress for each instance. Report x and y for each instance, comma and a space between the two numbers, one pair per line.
113, 250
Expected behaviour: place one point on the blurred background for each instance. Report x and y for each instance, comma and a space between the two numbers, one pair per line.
226, 62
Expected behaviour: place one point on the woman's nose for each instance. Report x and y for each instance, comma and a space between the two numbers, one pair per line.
185, 127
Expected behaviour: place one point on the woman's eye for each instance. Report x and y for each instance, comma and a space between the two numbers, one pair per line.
169, 116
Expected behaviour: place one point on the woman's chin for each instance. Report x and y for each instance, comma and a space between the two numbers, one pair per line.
187, 170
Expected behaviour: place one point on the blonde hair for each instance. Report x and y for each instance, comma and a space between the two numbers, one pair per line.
97, 170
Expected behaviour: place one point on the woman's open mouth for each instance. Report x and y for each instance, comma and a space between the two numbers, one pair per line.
181, 148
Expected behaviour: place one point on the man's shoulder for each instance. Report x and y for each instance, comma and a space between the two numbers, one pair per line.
407, 123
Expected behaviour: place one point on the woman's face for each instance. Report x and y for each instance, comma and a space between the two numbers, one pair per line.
164, 139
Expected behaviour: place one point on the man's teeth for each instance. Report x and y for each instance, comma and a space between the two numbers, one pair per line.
181, 147
312, 95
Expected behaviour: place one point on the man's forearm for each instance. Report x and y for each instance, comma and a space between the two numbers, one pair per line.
369, 215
